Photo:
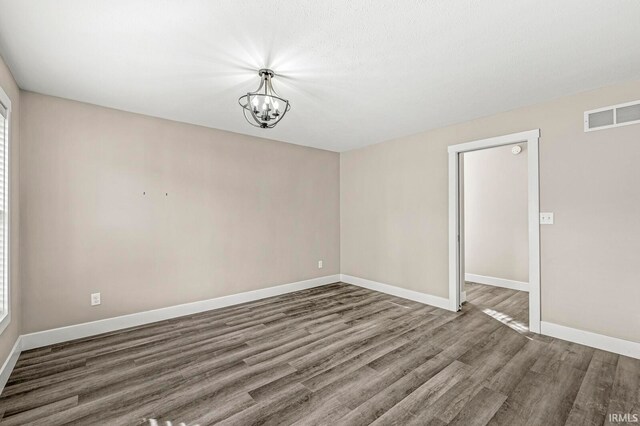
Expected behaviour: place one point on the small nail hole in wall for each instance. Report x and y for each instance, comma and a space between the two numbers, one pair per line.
144, 193
166, 194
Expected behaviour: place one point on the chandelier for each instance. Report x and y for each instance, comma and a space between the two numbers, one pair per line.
264, 108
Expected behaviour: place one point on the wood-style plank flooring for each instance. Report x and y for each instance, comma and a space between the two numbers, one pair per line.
511, 307
336, 354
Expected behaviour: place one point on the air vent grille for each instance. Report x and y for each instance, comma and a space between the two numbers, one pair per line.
612, 116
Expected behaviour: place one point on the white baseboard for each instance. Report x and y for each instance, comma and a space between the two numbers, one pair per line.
72, 332
439, 302
10, 362
599, 341
498, 282
59, 335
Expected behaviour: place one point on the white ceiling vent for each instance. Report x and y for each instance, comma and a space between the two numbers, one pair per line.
612, 116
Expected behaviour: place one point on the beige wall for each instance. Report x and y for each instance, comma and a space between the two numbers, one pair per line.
242, 213
11, 333
496, 214
394, 210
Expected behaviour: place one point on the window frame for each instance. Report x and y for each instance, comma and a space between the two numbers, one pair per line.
5, 317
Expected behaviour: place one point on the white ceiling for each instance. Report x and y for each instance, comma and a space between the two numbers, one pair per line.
356, 72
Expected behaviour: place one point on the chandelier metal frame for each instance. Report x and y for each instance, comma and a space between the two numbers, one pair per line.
264, 108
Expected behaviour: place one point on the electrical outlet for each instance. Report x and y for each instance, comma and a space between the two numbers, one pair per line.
319, 264
546, 218
95, 299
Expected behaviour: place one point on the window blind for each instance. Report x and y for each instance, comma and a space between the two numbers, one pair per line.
4, 137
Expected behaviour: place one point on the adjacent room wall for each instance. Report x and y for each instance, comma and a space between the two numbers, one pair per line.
242, 213
11, 333
394, 209
496, 213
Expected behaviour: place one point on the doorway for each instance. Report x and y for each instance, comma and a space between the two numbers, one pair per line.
456, 217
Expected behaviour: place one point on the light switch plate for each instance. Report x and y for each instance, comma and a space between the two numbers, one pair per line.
546, 218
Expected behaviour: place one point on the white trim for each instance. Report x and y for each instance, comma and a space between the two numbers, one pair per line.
534, 231
497, 282
495, 141
5, 100
438, 302
599, 341
72, 332
10, 362
5, 320
531, 137
454, 227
